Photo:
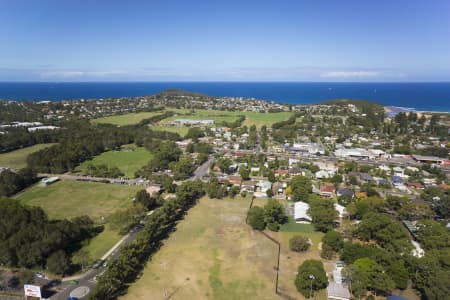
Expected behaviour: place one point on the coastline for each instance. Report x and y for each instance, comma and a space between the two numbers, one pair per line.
419, 97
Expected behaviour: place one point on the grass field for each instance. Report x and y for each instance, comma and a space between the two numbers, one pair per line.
68, 199
211, 255
102, 242
17, 159
260, 119
127, 161
252, 118
181, 130
127, 119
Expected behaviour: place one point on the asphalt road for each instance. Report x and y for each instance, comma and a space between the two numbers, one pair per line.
88, 279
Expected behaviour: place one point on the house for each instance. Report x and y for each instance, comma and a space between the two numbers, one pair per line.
323, 174
397, 181
340, 209
263, 186
248, 186
365, 177
415, 185
345, 191
382, 181
294, 171
301, 212
281, 172
154, 189
327, 191
361, 195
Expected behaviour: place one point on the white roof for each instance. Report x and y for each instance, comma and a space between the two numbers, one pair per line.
301, 211
341, 209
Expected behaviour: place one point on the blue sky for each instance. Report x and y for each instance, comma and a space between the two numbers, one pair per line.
180, 40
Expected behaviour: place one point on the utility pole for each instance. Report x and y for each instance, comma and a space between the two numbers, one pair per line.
310, 288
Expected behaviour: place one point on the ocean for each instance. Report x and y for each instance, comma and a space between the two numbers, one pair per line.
418, 96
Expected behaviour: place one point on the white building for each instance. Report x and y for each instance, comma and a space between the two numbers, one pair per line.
301, 212
33, 129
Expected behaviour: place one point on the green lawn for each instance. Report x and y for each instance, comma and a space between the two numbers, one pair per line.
17, 159
129, 159
127, 119
252, 118
181, 130
68, 199
260, 119
202, 114
102, 242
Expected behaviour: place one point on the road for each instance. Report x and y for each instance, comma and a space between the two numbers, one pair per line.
202, 170
136, 181
87, 279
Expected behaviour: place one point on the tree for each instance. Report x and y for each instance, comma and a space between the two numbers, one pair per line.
357, 279
299, 243
274, 212
269, 193
183, 168
332, 242
378, 279
433, 235
224, 165
301, 187
82, 258
323, 214
388, 233
310, 274
144, 198
256, 218
271, 176
244, 172
58, 262
416, 211
399, 274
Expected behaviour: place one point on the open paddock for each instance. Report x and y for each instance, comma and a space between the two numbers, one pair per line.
213, 254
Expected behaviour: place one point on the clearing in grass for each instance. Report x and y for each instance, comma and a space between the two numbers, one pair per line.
129, 159
127, 119
17, 159
212, 254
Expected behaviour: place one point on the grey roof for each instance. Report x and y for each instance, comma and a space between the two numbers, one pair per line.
337, 291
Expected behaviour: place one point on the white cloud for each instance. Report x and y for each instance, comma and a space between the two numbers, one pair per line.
79, 74
350, 74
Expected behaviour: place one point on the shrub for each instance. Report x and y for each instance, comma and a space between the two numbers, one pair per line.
299, 243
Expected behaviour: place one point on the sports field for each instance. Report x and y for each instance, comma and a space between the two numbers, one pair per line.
181, 130
68, 199
17, 159
211, 255
129, 159
252, 118
127, 119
